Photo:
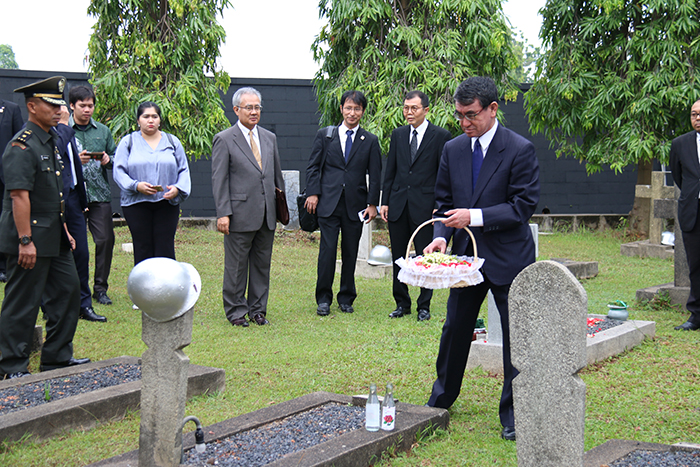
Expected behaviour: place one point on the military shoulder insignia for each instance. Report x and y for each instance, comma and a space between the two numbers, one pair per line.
21, 140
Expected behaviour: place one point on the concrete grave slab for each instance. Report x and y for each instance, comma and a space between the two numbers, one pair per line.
354, 449
604, 344
85, 411
615, 449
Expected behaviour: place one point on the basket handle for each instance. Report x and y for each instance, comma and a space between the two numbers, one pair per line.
430, 221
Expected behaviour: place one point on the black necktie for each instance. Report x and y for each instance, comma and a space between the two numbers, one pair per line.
477, 159
414, 145
348, 144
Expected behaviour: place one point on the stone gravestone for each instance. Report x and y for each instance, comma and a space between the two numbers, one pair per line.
291, 190
661, 197
679, 290
547, 316
166, 292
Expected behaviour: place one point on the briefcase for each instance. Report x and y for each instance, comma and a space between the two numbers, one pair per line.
282, 208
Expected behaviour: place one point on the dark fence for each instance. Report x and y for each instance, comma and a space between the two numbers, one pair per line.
291, 112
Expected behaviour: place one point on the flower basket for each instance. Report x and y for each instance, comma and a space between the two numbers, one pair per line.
440, 276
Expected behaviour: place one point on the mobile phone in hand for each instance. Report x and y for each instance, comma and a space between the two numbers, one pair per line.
95, 155
157, 187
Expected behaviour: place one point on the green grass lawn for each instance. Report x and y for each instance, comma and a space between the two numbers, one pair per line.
647, 394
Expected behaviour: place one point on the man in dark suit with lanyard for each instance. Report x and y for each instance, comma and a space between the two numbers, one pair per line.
685, 167
408, 193
75, 206
489, 181
10, 124
337, 188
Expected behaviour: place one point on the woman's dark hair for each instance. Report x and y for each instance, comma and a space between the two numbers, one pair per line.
147, 105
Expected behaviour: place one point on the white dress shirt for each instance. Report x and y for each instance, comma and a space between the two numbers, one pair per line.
246, 133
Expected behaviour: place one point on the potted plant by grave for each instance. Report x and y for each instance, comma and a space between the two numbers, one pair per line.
479, 330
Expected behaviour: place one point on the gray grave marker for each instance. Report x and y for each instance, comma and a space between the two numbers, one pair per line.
547, 315
166, 292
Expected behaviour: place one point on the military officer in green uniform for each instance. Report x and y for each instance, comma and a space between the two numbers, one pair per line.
33, 235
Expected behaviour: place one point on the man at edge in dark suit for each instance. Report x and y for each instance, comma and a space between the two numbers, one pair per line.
685, 167
408, 193
10, 124
337, 188
488, 180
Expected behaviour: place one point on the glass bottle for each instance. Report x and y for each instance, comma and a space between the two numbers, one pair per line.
388, 409
372, 409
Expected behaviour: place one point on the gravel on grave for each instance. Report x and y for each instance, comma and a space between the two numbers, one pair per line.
270, 442
604, 325
659, 459
33, 394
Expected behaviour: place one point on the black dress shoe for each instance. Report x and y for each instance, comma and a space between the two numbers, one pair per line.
242, 322
102, 298
423, 314
508, 433
399, 312
88, 313
687, 326
3, 278
324, 309
260, 319
71, 362
16, 375
345, 308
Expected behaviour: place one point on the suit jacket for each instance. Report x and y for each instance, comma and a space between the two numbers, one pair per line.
685, 168
10, 123
66, 136
32, 164
409, 184
507, 192
241, 189
336, 175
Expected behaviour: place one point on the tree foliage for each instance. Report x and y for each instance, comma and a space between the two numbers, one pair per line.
388, 47
527, 55
162, 51
7, 57
617, 78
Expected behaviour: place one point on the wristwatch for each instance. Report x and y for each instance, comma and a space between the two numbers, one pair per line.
25, 240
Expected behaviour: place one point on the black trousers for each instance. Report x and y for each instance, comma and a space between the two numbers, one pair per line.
350, 226
54, 280
691, 240
153, 227
75, 220
102, 229
462, 311
400, 232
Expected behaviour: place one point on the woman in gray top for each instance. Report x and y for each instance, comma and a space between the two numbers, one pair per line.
151, 169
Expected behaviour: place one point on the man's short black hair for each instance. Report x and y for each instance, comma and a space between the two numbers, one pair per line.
424, 101
479, 88
81, 93
356, 96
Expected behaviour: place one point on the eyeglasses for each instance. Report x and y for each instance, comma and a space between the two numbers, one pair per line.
353, 109
694, 115
250, 108
471, 116
411, 109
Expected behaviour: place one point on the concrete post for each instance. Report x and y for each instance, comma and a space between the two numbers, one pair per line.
164, 368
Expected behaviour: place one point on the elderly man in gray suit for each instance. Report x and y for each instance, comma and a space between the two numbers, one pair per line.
245, 170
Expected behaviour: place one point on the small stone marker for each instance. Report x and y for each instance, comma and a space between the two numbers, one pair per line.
166, 292
547, 317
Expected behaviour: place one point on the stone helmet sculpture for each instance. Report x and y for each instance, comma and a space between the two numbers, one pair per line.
163, 288
380, 256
